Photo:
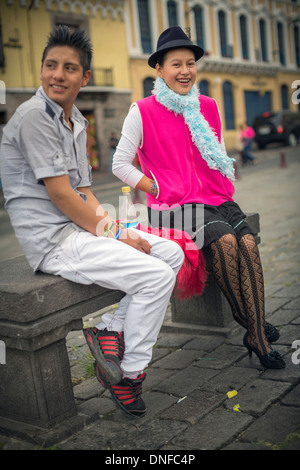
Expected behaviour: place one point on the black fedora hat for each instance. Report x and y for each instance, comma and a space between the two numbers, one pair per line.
172, 38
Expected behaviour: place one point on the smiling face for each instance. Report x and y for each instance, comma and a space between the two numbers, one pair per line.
178, 70
62, 76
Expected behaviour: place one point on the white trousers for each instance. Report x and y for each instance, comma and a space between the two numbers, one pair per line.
147, 280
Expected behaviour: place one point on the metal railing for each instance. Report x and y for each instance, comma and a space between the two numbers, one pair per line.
102, 77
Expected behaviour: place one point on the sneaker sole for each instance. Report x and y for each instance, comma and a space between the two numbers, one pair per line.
108, 369
106, 385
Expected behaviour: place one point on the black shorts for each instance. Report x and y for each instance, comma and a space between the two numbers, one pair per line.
205, 224
223, 219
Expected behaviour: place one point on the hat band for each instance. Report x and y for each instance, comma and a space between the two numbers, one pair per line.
177, 43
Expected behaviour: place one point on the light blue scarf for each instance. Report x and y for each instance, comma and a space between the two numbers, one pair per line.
202, 135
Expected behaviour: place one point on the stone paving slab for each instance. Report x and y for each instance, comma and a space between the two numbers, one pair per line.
214, 431
257, 396
275, 427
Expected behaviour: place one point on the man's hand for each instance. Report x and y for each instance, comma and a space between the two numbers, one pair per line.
89, 214
135, 240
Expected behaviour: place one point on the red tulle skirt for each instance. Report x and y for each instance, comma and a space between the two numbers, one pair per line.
192, 275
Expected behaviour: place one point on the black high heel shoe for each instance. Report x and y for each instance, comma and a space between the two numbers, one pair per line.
273, 360
272, 333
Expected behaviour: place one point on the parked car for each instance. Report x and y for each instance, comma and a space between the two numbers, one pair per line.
282, 126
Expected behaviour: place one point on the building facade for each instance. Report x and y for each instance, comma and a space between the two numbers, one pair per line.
25, 26
251, 63
252, 52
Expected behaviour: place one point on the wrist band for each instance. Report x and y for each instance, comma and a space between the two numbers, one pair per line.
154, 189
109, 230
118, 234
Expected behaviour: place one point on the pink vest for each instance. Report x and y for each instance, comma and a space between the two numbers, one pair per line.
169, 156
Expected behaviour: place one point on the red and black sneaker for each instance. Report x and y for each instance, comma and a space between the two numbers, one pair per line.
107, 347
126, 394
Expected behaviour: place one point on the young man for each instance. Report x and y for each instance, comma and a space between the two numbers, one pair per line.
64, 230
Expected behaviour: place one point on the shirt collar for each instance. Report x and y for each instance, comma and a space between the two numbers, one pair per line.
75, 113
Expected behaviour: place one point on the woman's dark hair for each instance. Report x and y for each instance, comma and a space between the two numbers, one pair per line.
161, 59
62, 36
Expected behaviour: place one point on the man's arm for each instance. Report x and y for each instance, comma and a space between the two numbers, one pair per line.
85, 213
72, 205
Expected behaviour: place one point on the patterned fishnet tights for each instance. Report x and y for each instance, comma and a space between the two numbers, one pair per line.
238, 272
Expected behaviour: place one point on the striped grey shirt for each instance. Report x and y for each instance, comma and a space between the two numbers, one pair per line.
37, 143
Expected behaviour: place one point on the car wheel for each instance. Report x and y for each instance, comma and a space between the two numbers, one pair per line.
292, 140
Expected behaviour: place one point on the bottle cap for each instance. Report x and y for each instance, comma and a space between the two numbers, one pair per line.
125, 189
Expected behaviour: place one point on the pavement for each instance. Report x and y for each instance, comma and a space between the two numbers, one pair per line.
203, 392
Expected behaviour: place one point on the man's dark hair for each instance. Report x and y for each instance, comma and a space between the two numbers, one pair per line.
62, 36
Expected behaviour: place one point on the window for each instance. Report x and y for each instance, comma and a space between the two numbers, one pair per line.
280, 39
256, 103
263, 40
284, 97
297, 45
148, 86
226, 50
2, 59
204, 87
199, 24
228, 105
244, 36
144, 16
172, 13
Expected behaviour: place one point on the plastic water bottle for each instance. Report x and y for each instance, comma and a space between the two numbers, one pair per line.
127, 216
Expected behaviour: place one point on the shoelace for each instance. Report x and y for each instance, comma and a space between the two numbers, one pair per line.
112, 343
128, 390
121, 344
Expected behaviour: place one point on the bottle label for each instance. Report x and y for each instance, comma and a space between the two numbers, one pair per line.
130, 224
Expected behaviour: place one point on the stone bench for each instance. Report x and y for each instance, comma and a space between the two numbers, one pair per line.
37, 311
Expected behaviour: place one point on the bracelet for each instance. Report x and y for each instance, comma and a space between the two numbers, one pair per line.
154, 189
118, 234
109, 230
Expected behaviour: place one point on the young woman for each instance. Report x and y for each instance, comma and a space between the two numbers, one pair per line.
188, 176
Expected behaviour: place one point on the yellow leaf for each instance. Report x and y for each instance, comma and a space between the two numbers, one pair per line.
232, 393
237, 408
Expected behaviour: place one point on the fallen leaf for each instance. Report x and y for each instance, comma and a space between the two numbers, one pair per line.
237, 408
231, 394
